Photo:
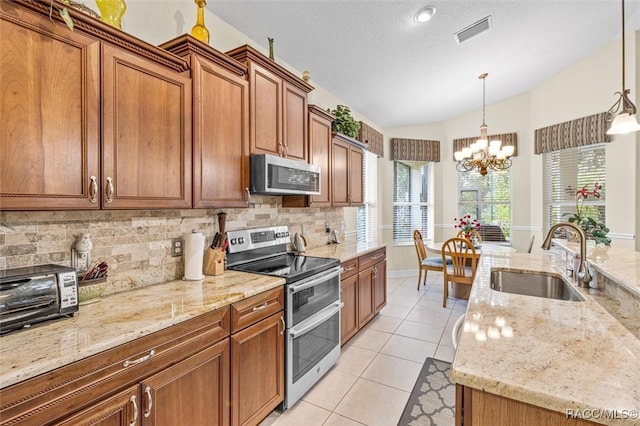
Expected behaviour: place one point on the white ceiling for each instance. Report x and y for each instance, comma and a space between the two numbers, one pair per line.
373, 56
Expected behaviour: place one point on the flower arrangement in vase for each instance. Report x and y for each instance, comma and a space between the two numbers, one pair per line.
588, 218
466, 223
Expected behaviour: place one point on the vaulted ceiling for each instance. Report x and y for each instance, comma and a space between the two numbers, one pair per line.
395, 71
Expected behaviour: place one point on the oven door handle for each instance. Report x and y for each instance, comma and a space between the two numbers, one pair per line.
293, 289
295, 333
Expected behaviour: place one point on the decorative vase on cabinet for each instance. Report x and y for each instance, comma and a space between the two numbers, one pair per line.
199, 31
112, 11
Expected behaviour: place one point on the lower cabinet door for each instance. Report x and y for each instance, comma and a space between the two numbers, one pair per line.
193, 392
257, 370
366, 307
380, 285
349, 313
122, 409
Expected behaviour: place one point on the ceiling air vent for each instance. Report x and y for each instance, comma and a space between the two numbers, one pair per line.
473, 30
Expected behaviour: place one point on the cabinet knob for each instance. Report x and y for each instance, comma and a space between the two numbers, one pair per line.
109, 190
93, 189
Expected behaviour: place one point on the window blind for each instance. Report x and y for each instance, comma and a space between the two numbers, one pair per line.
488, 199
367, 226
411, 200
568, 170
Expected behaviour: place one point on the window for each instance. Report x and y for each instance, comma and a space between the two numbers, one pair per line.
488, 199
411, 200
366, 215
568, 170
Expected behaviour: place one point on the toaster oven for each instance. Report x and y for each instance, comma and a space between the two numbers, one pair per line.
37, 293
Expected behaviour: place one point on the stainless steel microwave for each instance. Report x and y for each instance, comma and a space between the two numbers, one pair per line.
272, 175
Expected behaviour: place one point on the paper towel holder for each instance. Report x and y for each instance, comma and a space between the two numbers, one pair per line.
199, 257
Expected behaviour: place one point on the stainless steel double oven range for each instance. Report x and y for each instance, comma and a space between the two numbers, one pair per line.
312, 302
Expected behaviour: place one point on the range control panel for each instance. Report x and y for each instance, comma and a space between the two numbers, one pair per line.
249, 239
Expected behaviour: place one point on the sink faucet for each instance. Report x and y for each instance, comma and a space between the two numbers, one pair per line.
584, 278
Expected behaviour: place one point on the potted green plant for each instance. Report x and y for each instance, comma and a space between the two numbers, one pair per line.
344, 122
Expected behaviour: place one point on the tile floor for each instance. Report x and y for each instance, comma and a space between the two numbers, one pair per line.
371, 382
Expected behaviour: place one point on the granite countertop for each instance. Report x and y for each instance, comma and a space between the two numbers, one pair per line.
344, 251
118, 319
554, 354
122, 317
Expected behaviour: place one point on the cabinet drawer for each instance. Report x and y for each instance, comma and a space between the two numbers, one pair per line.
53, 395
350, 268
255, 308
372, 258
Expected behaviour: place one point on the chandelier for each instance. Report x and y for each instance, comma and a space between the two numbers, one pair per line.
625, 121
483, 154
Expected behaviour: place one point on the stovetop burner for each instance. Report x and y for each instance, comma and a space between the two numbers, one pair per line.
290, 266
264, 251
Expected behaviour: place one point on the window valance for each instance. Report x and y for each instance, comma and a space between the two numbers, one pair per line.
571, 134
415, 150
372, 138
506, 138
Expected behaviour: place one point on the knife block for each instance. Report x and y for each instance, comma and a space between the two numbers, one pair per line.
214, 261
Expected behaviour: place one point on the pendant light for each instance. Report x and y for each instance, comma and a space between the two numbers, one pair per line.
483, 154
626, 121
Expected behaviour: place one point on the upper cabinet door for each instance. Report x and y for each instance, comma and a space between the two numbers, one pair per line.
221, 136
49, 123
320, 154
356, 186
295, 123
146, 133
266, 110
340, 173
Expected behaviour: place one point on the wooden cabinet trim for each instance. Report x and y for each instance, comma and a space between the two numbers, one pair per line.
186, 44
102, 31
247, 53
256, 308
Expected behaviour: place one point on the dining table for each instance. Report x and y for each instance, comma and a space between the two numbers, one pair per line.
462, 291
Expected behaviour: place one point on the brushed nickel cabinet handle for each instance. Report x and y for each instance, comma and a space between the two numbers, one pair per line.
248, 196
128, 363
286, 149
135, 410
109, 190
93, 189
260, 307
283, 325
147, 412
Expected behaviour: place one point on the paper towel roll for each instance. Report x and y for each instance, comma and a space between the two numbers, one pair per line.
193, 255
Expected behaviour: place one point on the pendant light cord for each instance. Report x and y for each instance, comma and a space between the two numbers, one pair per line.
623, 85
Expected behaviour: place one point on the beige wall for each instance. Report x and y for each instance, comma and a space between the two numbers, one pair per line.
582, 89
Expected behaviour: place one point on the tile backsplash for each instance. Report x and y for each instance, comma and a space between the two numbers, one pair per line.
137, 243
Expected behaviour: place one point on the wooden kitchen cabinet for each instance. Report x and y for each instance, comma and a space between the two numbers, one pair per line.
363, 286
146, 133
277, 106
49, 125
116, 410
366, 303
192, 392
104, 118
349, 325
320, 149
179, 371
478, 408
220, 125
380, 285
347, 172
257, 363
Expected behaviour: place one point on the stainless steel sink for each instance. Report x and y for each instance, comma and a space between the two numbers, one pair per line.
537, 284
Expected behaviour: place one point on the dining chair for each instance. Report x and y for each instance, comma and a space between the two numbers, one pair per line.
425, 263
464, 262
474, 233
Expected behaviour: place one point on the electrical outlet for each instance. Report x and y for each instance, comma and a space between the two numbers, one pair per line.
303, 229
177, 247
